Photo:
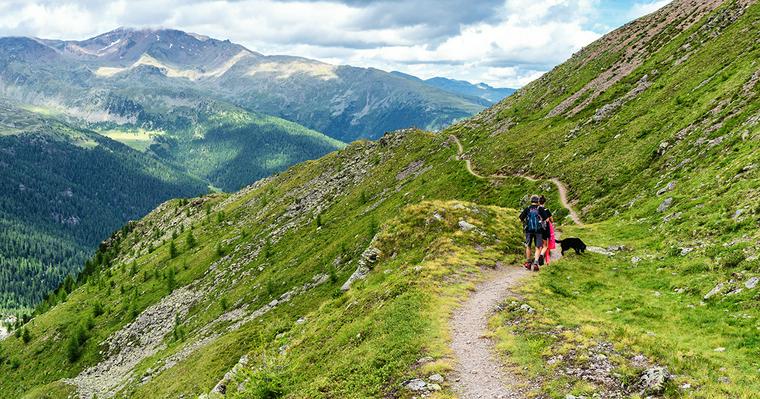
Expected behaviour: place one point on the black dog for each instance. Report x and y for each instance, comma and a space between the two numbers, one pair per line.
572, 243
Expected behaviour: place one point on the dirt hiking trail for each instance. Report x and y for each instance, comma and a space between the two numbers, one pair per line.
561, 188
479, 374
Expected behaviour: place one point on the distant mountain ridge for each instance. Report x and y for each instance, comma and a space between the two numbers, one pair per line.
479, 92
344, 102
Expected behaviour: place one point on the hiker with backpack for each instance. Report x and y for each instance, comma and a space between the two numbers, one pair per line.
534, 219
548, 234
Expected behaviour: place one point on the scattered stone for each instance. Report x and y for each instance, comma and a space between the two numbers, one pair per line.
720, 349
436, 378
416, 385
738, 214
718, 288
301, 320
434, 387
665, 205
635, 260
464, 226
425, 360
667, 188
752, 283
367, 260
526, 308
653, 380
686, 251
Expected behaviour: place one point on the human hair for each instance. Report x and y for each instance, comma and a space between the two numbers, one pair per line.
542, 200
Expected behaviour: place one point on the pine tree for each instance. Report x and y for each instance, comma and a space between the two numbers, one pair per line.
191, 240
173, 250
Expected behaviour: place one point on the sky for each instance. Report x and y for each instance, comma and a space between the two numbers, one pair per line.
505, 43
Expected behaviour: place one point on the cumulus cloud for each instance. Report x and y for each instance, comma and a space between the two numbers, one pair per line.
500, 42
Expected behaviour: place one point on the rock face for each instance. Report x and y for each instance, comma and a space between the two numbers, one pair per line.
367, 260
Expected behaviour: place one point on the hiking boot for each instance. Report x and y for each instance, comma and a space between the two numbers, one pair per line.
527, 265
535, 267
541, 260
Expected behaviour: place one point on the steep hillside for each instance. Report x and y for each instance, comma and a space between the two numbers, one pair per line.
64, 191
260, 278
652, 128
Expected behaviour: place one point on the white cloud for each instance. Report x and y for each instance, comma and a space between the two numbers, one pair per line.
501, 42
639, 9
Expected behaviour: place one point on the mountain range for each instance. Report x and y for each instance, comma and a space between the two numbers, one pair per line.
338, 278
195, 111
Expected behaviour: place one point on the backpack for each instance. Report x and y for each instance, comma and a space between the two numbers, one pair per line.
534, 223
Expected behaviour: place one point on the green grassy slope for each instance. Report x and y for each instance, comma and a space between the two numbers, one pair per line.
662, 162
311, 223
259, 293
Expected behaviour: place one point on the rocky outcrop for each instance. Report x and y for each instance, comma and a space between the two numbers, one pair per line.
366, 262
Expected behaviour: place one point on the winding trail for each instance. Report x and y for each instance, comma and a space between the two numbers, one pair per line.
560, 186
478, 373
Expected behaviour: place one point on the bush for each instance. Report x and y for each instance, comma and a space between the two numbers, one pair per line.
265, 385
731, 259
97, 309
26, 336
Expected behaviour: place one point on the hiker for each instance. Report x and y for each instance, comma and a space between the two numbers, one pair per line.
548, 234
534, 221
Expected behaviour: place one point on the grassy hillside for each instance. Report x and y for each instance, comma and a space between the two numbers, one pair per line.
224, 145
661, 160
652, 128
260, 263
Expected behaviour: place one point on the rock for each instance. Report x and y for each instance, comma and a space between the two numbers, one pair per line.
526, 308
301, 320
686, 251
437, 378
635, 260
416, 385
718, 288
662, 148
367, 260
667, 188
665, 205
653, 380
434, 387
464, 226
752, 283
426, 359
720, 349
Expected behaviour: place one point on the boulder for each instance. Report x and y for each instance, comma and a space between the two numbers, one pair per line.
416, 385
665, 205
752, 283
718, 288
464, 226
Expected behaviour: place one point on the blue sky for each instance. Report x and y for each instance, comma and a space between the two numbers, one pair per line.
505, 43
